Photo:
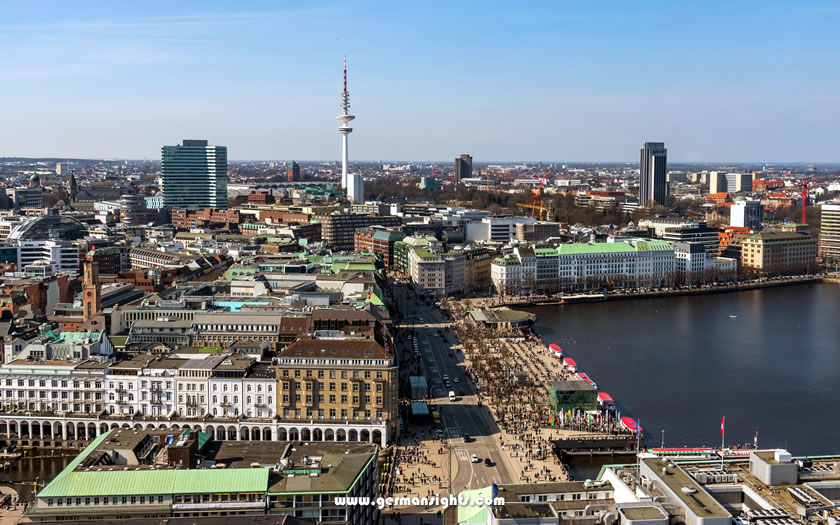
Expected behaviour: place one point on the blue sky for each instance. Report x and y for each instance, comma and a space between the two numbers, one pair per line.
716, 81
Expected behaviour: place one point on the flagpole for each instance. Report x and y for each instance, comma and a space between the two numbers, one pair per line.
722, 439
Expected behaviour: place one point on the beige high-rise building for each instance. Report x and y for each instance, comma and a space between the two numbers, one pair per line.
830, 233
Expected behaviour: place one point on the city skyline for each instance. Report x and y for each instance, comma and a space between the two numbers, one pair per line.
717, 84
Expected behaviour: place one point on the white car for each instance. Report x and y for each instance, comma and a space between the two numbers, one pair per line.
455, 380
474, 458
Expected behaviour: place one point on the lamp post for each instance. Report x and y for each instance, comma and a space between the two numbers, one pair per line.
448, 446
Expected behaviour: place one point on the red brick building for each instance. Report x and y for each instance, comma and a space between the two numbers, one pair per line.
261, 197
380, 241
189, 219
718, 198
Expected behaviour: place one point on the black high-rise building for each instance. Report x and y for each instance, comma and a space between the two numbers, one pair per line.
652, 170
463, 168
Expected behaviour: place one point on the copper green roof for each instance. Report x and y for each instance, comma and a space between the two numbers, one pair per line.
169, 481
506, 260
389, 236
613, 247
69, 337
474, 514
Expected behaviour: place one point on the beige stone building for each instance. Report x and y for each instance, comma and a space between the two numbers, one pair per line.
344, 380
778, 253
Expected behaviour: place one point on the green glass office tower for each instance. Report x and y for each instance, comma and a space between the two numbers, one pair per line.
194, 176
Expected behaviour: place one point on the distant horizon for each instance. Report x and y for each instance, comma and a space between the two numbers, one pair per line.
714, 80
721, 164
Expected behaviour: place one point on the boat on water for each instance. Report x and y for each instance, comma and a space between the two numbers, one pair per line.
570, 363
584, 377
606, 400
685, 453
556, 350
630, 424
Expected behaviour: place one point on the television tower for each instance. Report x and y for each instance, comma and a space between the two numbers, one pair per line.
344, 129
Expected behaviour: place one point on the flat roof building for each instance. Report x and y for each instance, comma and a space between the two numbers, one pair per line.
194, 175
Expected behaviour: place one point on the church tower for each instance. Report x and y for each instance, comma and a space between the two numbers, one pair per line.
91, 289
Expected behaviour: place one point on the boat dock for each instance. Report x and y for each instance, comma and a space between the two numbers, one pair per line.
596, 445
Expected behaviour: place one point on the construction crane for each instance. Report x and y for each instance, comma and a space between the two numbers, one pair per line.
804, 201
537, 195
534, 207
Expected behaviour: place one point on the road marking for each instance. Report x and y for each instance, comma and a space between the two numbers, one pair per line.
462, 455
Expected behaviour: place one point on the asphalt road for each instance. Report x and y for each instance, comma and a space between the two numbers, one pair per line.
462, 416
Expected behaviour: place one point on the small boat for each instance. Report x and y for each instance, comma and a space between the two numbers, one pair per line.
556, 350
570, 363
685, 453
733, 317
606, 400
630, 424
584, 377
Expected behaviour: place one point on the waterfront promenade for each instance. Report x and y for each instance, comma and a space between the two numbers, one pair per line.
612, 295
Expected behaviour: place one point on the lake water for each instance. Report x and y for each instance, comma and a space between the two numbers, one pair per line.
765, 358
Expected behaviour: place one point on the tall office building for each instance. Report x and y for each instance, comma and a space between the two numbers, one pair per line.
194, 176
747, 214
830, 233
652, 170
293, 173
463, 168
729, 182
355, 188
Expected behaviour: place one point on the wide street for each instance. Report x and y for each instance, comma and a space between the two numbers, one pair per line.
442, 360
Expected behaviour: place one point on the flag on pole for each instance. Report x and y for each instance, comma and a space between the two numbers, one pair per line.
637, 429
722, 421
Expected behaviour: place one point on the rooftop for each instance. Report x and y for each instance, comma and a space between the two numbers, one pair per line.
501, 316
350, 348
676, 479
642, 513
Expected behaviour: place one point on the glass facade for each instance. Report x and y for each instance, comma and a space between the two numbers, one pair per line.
194, 176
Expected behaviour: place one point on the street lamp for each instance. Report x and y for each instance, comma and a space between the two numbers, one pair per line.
448, 446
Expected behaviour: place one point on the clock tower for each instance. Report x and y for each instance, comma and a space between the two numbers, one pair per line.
91, 289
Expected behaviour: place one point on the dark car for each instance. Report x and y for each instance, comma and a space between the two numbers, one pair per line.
467, 438
488, 462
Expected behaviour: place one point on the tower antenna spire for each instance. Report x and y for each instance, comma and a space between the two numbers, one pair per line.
345, 117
